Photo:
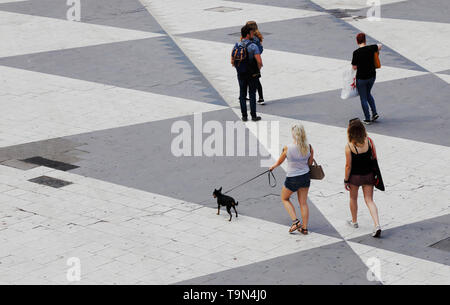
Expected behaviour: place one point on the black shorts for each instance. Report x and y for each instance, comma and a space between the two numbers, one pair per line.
298, 182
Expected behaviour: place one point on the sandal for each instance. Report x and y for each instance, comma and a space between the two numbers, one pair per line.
296, 225
304, 231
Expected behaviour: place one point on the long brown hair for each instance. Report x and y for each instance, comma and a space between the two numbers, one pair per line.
253, 26
356, 132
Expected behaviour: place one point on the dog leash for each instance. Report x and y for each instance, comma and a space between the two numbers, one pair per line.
269, 173
270, 183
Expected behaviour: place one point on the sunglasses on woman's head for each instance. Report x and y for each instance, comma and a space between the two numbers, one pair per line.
353, 120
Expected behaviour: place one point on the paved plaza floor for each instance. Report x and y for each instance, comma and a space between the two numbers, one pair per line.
90, 186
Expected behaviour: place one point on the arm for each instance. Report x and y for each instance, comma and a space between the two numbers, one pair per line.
379, 46
354, 63
373, 148
311, 157
232, 61
259, 61
348, 166
280, 160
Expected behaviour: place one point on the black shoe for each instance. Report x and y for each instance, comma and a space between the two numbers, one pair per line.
375, 117
256, 118
244, 118
261, 101
367, 122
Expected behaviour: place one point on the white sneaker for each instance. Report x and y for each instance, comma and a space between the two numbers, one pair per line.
376, 232
353, 224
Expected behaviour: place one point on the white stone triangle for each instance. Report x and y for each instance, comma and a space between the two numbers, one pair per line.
38, 106
199, 15
24, 34
399, 269
425, 43
284, 74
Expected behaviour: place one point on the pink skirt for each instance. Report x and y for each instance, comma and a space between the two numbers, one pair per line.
360, 180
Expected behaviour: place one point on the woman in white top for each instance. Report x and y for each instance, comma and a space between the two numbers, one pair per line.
300, 157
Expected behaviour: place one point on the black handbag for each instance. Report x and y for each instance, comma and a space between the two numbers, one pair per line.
379, 184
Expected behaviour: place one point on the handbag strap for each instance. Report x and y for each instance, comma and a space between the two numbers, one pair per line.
314, 160
371, 147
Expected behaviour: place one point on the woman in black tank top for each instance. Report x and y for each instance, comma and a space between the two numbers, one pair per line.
359, 172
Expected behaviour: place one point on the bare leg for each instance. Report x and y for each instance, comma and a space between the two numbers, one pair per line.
368, 197
354, 202
302, 194
285, 195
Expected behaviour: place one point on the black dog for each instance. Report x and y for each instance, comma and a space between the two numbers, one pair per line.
225, 200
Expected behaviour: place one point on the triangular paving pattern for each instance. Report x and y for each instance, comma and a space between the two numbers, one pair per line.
308, 36
426, 94
128, 14
153, 65
421, 49
24, 34
277, 78
197, 15
105, 93
338, 261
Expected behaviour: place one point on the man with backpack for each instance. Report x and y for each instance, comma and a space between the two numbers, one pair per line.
246, 58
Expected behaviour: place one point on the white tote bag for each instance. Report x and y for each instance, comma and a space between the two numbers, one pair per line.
349, 89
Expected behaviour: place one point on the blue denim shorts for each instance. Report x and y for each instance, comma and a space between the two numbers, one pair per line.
297, 182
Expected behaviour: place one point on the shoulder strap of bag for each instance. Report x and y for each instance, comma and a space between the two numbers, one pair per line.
371, 147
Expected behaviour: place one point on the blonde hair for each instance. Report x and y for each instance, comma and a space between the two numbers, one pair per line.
299, 134
253, 26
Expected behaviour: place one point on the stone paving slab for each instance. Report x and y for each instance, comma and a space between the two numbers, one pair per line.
104, 93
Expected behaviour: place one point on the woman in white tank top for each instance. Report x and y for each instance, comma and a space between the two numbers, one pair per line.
300, 157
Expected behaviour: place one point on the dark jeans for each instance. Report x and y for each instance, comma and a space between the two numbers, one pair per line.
260, 91
364, 86
246, 82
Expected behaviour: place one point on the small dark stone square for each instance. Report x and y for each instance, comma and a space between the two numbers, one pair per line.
50, 163
49, 181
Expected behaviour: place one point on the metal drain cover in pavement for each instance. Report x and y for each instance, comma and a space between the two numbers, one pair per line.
338, 13
442, 245
50, 163
223, 9
49, 181
239, 34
